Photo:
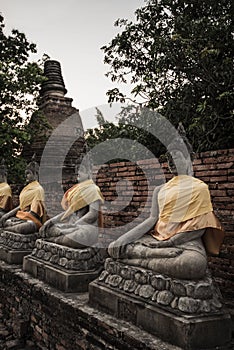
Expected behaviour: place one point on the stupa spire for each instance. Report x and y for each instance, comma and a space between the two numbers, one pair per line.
54, 85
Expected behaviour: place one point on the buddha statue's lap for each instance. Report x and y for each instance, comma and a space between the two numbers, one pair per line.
186, 261
73, 235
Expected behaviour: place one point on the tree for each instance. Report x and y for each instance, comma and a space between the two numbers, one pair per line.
130, 136
20, 82
178, 56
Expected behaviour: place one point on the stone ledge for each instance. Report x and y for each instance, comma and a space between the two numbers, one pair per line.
66, 258
190, 332
14, 246
64, 280
12, 256
57, 312
181, 296
17, 241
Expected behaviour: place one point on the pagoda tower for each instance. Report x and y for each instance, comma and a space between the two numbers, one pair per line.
58, 140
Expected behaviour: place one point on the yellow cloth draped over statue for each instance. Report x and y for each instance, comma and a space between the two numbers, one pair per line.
5, 197
185, 205
81, 195
32, 207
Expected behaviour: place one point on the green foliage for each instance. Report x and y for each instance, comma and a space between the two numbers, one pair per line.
19, 86
178, 56
132, 135
38, 127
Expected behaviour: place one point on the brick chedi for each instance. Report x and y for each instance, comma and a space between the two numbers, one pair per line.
58, 135
53, 103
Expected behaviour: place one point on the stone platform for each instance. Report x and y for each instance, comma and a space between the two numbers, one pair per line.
14, 246
186, 313
68, 269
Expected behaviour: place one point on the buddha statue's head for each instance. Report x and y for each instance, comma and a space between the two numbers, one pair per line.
3, 171
32, 170
180, 154
84, 169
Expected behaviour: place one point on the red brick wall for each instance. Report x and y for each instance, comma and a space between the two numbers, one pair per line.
129, 200
217, 170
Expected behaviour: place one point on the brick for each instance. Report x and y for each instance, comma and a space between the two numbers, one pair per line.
218, 193
122, 169
204, 167
209, 160
211, 173
226, 185
230, 193
208, 154
120, 164
218, 179
126, 173
197, 161
231, 171
222, 199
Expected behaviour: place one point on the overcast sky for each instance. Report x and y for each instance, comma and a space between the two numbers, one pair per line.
72, 32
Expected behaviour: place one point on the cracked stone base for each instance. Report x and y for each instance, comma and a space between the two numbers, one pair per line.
190, 332
13, 256
14, 246
64, 280
185, 313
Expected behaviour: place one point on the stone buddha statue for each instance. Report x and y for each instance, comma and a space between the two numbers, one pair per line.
5, 191
156, 276
29, 216
77, 226
184, 226
66, 248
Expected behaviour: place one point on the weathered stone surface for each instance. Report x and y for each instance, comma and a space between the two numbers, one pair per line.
159, 282
178, 288
146, 291
17, 241
188, 330
164, 297
65, 268
185, 296
129, 286
115, 280
59, 320
125, 273
67, 258
203, 291
103, 276
188, 305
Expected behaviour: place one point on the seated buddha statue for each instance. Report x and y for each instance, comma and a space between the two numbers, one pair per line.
181, 228
5, 191
78, 225
29, 216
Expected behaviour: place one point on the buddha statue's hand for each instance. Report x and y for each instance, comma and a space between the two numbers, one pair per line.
115, 248
158, 244
3, 221
44, 229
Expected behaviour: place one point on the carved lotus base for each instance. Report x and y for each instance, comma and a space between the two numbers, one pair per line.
185, 313
14, 246
67, 269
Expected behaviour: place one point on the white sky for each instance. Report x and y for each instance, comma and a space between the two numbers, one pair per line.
72, 32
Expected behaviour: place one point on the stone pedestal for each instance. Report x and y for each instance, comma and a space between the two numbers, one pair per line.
67, 269
14, 246
185, 313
